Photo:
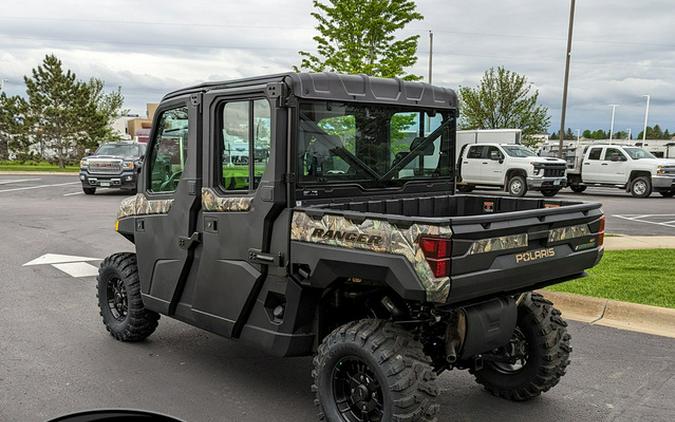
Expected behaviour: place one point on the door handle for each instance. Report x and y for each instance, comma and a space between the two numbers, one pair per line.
465, 162
587, 164
604, 164
484, 162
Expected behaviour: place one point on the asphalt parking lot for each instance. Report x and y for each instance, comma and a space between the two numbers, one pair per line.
55, 356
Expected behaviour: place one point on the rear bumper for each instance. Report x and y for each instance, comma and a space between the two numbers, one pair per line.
538, 183
124, 180
663, 182
506, 277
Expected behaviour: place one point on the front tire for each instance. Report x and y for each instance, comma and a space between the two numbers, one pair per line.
372, 370
539, 352
118, 290
550, 192
578, 188
517, 186
641, 187
89, 191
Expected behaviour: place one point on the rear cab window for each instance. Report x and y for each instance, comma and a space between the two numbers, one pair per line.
595, 154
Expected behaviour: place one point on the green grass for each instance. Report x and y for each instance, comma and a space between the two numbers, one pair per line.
638, 276
35, 166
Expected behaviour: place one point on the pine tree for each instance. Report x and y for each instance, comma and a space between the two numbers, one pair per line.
357, 36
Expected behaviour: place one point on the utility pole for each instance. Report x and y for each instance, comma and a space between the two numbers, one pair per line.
630, 134
644, 130
431, 54
2, 84
568, 57
611, 126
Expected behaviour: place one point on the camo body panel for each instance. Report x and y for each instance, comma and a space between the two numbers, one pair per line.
395, 240
140, 205
498, 244
213, 202
571, 232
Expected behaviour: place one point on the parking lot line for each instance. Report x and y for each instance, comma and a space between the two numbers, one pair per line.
9, 182
38, 187
639, 219
77, 269
73, 193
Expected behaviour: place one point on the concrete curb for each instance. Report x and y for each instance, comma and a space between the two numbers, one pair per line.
623, 242
39, 173
612, 313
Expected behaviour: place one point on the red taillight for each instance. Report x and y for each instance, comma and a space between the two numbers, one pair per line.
601, 231
437, 251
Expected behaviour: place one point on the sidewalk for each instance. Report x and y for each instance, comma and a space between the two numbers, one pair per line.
621, 242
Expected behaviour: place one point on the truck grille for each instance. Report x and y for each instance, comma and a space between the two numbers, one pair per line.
558, 171
670, 170
105, 166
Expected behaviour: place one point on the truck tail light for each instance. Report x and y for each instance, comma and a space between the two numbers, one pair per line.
437, 252
601, 231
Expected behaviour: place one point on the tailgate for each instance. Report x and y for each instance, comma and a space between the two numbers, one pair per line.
511, 252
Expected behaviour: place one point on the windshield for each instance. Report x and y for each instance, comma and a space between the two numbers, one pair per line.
372, 145
122, 150
518, 151
638, 153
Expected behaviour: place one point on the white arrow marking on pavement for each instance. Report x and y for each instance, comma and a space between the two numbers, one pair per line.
52, 258
77, 269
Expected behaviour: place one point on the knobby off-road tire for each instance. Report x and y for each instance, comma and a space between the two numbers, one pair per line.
118, 291
548, 351
89, 191
406, 387
517, 186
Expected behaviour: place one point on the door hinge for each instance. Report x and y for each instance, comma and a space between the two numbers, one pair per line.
186, 242
196, 101
256, 256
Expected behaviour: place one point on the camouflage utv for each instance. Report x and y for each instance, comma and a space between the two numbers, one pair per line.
341, 236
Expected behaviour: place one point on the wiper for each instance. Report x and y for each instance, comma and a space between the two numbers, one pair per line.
415, 152
340, 151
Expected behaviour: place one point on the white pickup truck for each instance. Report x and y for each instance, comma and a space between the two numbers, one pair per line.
626, 167
514, 167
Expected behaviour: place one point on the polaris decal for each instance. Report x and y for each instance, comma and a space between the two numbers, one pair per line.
529, 256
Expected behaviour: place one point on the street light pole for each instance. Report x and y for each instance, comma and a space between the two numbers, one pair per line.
431, 54
611, 126
644, 129
568, 56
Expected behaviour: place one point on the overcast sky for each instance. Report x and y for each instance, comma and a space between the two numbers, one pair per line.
622, 49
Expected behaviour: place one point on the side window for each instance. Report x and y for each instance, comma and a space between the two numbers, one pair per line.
614, 154
167, 158
493, 153
595, 154
246, 143
475, 152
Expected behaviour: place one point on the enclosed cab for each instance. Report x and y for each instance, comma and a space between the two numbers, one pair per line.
113, 165
337, 233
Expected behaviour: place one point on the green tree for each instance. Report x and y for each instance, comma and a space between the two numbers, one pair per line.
358, 36
503, 99
14, 123
66, 115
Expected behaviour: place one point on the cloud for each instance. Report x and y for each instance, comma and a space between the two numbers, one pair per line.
620, 52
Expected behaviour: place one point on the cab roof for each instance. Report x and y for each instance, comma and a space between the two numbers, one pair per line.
341, 87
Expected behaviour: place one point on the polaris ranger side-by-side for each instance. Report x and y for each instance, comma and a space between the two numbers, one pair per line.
340, 236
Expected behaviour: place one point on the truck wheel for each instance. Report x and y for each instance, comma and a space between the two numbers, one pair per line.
465, 188
89, 191
578, 188
550, 192
641, 187
517, 186
667, 193
536, 357
119, 299
371, 370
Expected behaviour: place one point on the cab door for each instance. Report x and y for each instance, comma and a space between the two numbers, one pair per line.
493, 166
472, 165
614, 164
592, 169
240, 202
168, 203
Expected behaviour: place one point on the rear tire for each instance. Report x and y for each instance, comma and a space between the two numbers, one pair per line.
550, 192
119, 299
373, 370
547, 350
465, 188
517, 186
641, 187
668, 194
578, 188
89, 191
